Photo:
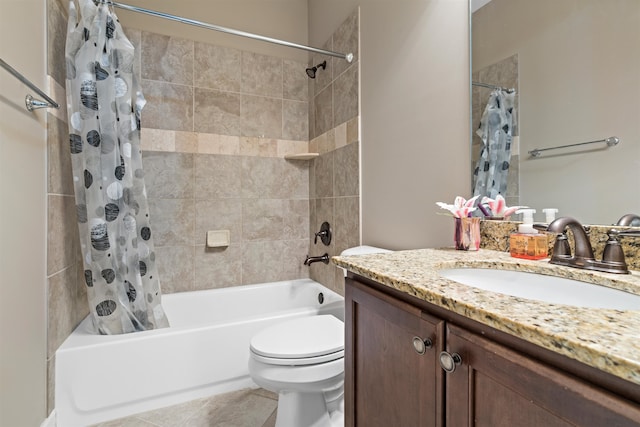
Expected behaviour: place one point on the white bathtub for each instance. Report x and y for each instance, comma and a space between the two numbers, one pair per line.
204, 352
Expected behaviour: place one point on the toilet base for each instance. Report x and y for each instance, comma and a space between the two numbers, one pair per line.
297, 409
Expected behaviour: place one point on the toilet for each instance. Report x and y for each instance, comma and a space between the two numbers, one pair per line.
303, 361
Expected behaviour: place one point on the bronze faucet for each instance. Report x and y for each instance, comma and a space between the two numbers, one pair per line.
613, 259
628, 219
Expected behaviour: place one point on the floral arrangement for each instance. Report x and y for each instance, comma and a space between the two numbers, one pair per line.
461, 208
497, 208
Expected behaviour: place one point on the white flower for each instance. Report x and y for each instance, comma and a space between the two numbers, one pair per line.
499, 207
461, 208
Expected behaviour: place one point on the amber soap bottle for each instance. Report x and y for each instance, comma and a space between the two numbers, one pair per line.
527, 243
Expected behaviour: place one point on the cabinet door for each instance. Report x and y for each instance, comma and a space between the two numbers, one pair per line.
387, 382
494, 386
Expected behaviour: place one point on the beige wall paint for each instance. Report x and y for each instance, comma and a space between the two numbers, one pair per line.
415, 114
22, 218
325, 16
576, 85
280, 19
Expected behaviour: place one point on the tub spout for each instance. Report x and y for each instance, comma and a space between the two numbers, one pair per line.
311, 259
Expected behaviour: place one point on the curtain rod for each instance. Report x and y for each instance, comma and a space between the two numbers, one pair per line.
490, 86
30, 102
347, 56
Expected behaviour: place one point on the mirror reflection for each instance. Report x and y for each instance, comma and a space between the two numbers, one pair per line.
553, 73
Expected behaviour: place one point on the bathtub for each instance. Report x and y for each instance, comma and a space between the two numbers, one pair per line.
205, 351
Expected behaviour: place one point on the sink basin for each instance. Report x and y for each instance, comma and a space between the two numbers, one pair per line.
550, 289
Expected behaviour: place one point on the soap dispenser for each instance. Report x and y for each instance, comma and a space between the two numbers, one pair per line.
527, 243
549, 214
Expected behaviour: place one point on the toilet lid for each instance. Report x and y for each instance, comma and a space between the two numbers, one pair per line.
301, 338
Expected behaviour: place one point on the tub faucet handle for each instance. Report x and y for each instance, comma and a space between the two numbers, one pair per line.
324, 234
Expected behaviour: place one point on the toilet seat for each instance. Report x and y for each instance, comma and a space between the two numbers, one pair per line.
302, 341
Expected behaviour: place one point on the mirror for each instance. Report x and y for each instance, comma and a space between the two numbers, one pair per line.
575, 68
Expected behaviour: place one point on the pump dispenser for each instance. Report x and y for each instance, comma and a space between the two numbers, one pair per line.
527, 243
549, 214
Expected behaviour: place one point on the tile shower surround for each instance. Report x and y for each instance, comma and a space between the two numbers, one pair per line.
271, 206
197, 87
262, 201
184, 134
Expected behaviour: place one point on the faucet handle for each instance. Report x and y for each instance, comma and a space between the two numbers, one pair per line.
561, 248
628, 232
613, 255
324, 234
613, 249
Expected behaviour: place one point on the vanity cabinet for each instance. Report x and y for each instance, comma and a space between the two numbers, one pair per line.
388, 383
391, 379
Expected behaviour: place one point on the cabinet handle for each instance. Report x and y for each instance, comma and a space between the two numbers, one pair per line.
449, 361
420, 345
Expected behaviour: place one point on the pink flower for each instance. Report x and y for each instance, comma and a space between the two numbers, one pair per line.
460, 208
499, 207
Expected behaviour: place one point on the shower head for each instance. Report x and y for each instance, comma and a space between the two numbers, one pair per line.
311, 72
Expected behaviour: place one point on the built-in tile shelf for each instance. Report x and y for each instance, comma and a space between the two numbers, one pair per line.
301, 156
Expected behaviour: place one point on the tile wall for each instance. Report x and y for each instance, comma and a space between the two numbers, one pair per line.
67, 297
217, 124
334, 133
262, 201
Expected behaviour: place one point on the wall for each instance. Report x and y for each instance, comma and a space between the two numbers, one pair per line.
236, 178
414, 82
334, 131
577, 83
216, 126
22, 218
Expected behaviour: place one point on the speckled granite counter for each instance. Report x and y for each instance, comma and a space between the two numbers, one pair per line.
605, 339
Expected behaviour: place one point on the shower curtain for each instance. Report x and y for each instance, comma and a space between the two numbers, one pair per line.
496, 130
104, 103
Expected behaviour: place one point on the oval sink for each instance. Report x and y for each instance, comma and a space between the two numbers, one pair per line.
550, 289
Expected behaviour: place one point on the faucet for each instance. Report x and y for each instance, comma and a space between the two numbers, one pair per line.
629, 219
583, 249
613, 259
322, 258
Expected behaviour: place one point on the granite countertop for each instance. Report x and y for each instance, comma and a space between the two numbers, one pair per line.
602, 338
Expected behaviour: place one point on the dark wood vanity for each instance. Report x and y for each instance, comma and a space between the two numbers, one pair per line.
394, 377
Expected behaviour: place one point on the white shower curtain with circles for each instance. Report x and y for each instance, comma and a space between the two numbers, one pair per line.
104, 103
496, 131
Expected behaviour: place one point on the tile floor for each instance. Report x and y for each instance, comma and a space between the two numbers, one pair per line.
242, 408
